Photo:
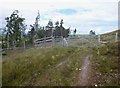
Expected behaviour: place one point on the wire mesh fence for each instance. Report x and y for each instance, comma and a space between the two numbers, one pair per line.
80, 41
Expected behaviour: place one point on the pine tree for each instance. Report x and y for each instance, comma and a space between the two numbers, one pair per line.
14, 28
49, 31
57, 23
31, 35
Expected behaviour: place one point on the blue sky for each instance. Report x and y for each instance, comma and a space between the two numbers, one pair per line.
67, 11
84, 15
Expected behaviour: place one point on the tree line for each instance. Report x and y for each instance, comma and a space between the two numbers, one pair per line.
14, 34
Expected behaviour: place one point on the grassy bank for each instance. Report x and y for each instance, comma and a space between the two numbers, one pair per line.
41, 66
60, 66
105, 65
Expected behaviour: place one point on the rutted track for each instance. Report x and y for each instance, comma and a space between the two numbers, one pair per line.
85, 72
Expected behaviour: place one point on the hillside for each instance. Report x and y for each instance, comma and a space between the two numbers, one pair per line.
61, 66
105, 63
112, 32
110, 36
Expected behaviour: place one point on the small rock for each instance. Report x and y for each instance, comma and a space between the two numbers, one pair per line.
96, 85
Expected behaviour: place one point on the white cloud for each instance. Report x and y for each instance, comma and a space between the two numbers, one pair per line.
105, 10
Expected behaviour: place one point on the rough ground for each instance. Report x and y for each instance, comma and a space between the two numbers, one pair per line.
85, 72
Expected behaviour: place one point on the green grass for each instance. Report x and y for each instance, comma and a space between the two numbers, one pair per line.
0, 69
38, 66
105, 65
110, 37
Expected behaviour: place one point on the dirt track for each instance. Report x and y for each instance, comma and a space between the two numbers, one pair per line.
85, 72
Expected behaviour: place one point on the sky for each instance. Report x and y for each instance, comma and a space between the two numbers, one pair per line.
84, 15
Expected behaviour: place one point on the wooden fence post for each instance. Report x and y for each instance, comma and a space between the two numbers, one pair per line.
62, 40
44, 39
53, 41
116, 37
98, 38
24, 44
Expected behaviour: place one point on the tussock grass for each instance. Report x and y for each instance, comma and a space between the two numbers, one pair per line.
59, 66
37, 66
110, 36
105, 65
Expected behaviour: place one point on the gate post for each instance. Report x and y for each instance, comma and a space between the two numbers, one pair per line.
53, 41
116, 37
98, 38
62, 42
44, 39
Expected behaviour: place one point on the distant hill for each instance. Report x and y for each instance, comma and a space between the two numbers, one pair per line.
110, 36
111, 33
